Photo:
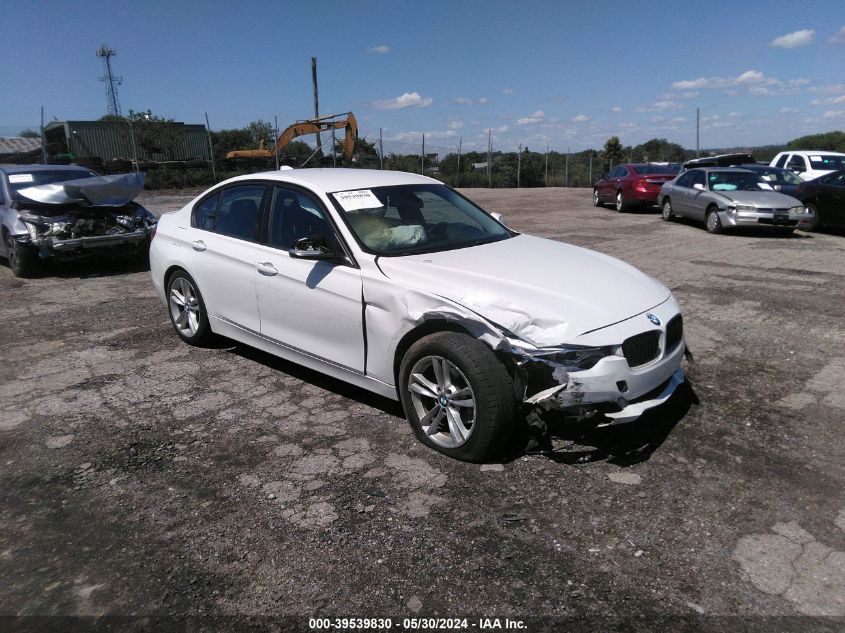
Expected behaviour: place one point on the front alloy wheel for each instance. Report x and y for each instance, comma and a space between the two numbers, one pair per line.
596, 199
621, 205
187, 310
712, 222
458, 396
23, 258
667, 212
443, 401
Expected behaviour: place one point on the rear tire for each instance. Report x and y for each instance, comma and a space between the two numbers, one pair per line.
437, 402
712, 222
596, 199
23, 258
621, 205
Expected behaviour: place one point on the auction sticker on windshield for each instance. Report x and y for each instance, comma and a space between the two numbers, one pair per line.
360, 199
17, 178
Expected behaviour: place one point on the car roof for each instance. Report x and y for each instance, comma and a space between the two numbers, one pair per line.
340, 179
822, 152
710, 168
28, 169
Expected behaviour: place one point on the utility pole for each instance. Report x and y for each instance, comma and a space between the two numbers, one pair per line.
518, 165
380, 150
134, 147
458, 176
210, 148
316, 102
591, 167
489, 158
547, 164
422, 156
276, 143
566, 177
696, 131
43, 142
334, 149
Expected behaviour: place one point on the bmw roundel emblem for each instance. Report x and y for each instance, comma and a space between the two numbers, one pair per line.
653, 318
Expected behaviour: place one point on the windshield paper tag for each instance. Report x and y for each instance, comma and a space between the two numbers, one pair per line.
354, 200
16, 178
765, 186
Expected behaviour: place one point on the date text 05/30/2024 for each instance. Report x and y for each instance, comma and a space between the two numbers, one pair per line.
415, 624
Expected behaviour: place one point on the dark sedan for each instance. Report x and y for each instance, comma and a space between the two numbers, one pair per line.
824, 198
633, 184
783, 180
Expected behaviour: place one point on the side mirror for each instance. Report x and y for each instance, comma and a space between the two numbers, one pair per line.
499, 218
698, 186
313, 247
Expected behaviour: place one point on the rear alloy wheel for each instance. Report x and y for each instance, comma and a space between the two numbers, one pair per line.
621, 205
712, 222
23, 258
666, 210
458, 397
596, 199
187, 310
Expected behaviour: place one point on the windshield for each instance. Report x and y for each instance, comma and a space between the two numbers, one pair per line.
736, 181
827, 162
781, 177
23, 180
656, 169
408, 219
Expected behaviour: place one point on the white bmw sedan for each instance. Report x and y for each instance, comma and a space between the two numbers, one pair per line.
398, 284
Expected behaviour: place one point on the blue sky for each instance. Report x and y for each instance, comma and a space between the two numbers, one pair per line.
566, 74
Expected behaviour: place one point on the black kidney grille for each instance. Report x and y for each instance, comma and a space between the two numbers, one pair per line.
674, 332
641, 348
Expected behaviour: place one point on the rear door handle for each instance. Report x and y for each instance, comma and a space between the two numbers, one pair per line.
266, 268
199, 245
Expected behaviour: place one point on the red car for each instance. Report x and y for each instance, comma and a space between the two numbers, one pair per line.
633, 184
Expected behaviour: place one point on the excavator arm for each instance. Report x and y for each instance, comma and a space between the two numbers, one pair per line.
323, 124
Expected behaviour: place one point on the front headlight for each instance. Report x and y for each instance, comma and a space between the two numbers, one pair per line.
32, 229
798, 209
745, 207
574, 357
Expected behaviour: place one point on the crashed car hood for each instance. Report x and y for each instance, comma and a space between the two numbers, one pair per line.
102, 191
765, 199
543, 291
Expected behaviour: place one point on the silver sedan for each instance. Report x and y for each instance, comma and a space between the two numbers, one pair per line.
727, 197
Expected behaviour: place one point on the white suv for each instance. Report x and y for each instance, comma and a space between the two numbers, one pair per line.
809, 164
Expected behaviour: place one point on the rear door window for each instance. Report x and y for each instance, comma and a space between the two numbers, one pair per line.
685, 179
797, 162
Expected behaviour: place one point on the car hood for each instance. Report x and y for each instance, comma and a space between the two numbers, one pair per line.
543, 291
766, 199
105, 191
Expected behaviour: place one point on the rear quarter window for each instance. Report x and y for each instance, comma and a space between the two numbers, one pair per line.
205, 213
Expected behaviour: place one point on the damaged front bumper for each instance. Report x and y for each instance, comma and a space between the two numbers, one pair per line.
611, 386
93, 242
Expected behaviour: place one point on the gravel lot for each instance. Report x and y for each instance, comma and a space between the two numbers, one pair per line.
140, 476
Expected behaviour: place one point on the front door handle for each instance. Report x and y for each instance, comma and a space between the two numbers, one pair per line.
266, 268
199, 245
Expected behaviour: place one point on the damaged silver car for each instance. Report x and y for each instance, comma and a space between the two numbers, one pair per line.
398, 284
65, 212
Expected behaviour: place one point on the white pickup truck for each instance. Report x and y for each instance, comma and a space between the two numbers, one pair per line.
809, 164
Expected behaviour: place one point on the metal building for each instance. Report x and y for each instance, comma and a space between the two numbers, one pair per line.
113, 140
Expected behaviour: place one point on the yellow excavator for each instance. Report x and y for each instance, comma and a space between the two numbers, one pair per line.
326, 123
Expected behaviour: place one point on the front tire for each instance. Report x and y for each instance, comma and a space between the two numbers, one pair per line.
187, 309
712, 222
457, 396
23, 258
666, 211
596, 199
814, 225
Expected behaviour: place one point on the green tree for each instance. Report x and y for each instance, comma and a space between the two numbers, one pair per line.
613, 151
828, 141
260, 130
29, 133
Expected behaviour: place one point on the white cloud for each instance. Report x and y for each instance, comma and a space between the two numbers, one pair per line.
580, 118
662, 106
381, 49
538, 116
788, 110
456, 125
406, 100
502, 129
753, 80
465, 101
835, 114
839, 38
676, 119
795, 39
828, 100
507, 91
616, 109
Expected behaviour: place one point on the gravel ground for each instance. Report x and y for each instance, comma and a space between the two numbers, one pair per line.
225, 488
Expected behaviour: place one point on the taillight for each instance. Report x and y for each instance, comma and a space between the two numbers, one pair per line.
640, 185
799, 188
153, 230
